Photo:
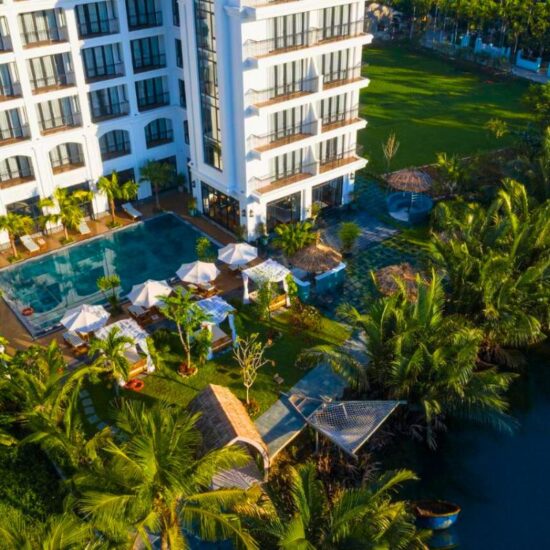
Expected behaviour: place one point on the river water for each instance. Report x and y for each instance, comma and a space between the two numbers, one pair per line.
502, 482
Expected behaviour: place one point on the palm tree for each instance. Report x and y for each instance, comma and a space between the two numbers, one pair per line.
188, 317
15, 225
154, 481
108, 285
367, 517
292, 237
159, 174
109, 354
69, 213
113, 189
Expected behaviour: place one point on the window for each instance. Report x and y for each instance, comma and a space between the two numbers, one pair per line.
16, 170
28, 207
287, 123
334, 66
108, 103
59, 114
152, 93
66, 156
186, 131
175, 13
9, 85
289, 30
13, 125
288, 164
329, 193
114, 144
288, 77
103, 62
51, 71
159, 132
336, 21
148, 53
333, 109
220, 207
183, 98
179, 53
284, 210
42, 26
5, 40
143, 13
96, 19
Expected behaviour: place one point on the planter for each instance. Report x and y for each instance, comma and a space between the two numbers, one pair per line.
185, 371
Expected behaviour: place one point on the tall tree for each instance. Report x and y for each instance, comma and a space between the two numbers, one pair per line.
15, 225
159, 174
114, 189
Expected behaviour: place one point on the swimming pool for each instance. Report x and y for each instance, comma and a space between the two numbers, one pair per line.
53, 283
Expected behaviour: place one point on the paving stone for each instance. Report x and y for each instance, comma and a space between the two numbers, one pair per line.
89, 409
101, 425
93, 419
87, 401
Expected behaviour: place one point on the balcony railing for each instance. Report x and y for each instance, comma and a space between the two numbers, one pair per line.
282, 92
282, 137
150, 63
110, 110
303, 39
67, 164
98, 28
338, 78
160, 139
144, 20
44, 36
5, 44
15, 133
340, 159
104, 72
45, 83
152, 102
8, 179
116, 150
260, 3
10, 90
284, 177
70, 120
336, 120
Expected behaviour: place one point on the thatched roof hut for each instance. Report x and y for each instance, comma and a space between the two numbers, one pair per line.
316, 258
387, 277
224, 421
414, 181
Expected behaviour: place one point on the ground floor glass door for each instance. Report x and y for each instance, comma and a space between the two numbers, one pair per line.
284, 210
328, 194
220, 207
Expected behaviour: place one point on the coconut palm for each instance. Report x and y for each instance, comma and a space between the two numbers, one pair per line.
68, 205
159, 174
155, 481
367, 517
15, 225
292, 237
113, 190
109, 354
108, 285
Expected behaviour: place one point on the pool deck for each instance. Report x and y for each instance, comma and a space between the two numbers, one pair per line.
19, 337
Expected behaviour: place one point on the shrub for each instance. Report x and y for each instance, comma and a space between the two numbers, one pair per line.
349, 233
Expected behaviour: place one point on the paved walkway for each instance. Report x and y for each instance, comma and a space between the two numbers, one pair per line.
281, 423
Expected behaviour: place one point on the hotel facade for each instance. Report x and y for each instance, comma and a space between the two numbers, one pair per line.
254, 103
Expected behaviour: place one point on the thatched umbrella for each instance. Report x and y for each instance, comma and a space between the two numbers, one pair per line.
387, 277
316, 258
414, 181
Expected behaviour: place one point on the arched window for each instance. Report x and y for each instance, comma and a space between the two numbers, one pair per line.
67, 156
15, 170
114, 144
159, 132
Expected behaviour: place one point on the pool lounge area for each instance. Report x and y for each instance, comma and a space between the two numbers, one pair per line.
53, 283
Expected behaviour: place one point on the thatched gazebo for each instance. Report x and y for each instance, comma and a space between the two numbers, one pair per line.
409, 201
410, 179
224, 421
316, 258
387, 279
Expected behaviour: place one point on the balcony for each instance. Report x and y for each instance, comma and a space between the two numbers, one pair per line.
303, 39
103, 27
116, 150
340, 159
109, 111
290, 134
14, 134
67, 164
160, 139
8, 180
338, 120
340, 78
281, 179
262, 3
104, 72
10, 90
144, 20
5, 44
43, 37
146, 103
150, 63
60, 123
52, 82
284, 92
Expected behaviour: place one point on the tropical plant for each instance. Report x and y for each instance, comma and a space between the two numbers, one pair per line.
108, 285
159, 174
249, 354
68, 209
109, 355
15, 225
451, 174
367, 517
348, 234
537, 100
188, 317
497, 127
265, 295
203, 248
113, 189
292, 237
390, 149
156, 481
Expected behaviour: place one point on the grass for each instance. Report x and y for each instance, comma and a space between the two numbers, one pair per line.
432, 106
166, 384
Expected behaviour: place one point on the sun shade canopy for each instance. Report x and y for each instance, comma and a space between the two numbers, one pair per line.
85, 318
269, 271
149, 293
217, 309
237, 254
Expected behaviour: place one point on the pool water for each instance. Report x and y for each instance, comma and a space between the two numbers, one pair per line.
66, 278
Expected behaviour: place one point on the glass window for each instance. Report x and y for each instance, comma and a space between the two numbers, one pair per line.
96, 18
220, 207
284, 210
148, 53
328, 194
114, 144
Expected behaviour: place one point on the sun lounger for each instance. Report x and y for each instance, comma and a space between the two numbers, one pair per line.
207, 290
279, 379
76, 343
131, 211
84, 228
29, 243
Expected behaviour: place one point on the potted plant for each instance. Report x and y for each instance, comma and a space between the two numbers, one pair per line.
349, 233
192, 206
261, 231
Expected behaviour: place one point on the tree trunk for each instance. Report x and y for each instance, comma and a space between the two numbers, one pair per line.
13, 247
112, 204
156, 187
247, 399
66, 231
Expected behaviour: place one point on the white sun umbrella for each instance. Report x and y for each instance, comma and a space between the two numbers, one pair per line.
149, 294
85, 318
198, 272
237, 254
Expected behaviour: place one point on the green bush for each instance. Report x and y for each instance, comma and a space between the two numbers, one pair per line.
349, 232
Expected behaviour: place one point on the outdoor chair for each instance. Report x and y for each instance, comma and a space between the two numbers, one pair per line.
84, 228
28, 242
76, 343
133, 212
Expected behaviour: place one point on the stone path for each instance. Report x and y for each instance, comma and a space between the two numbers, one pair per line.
90, 412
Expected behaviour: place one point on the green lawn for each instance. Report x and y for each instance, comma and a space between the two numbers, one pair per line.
431, 106
166, 384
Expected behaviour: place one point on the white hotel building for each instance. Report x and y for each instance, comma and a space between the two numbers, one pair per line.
254, 102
